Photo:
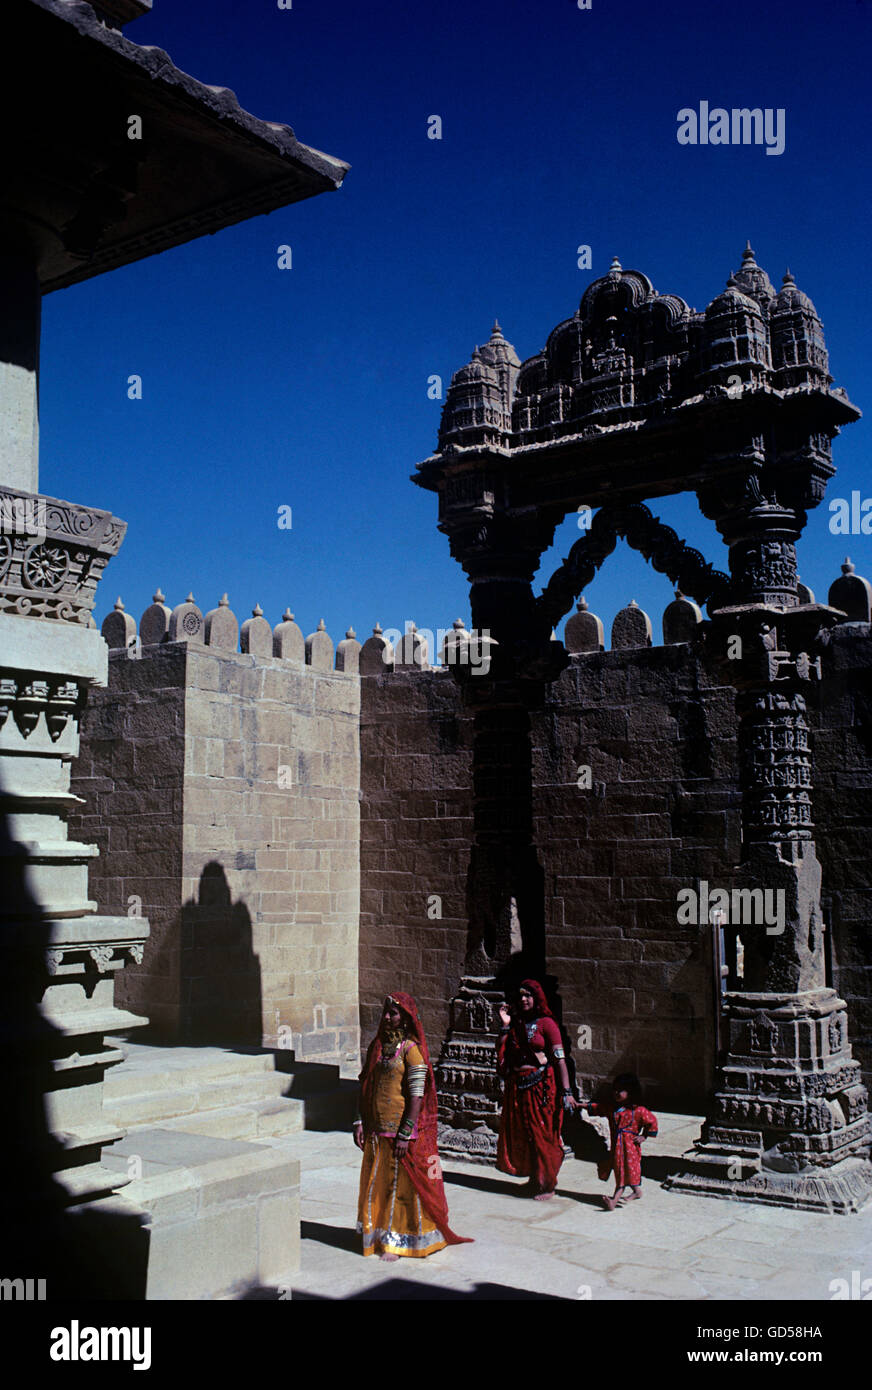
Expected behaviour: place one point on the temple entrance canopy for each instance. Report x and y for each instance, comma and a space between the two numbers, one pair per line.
638, 396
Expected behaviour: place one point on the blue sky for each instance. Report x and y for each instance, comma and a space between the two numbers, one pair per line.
308, 388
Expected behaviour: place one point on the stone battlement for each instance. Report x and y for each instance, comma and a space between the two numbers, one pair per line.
219, 629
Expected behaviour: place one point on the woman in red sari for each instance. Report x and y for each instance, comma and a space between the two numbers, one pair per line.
529, 1053
401, 1208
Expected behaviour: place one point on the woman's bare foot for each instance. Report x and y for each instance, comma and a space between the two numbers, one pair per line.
633, 1197
610, 1203
543, 1196
388, 1257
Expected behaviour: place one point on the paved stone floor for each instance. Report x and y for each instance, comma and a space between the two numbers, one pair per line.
667, 1246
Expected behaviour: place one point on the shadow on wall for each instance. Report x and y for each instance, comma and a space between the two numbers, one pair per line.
221, 1003
89, 1252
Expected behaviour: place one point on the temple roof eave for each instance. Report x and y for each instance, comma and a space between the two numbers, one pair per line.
226, 165
690, 416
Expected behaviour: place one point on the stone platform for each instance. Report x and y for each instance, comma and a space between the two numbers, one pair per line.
222, 1212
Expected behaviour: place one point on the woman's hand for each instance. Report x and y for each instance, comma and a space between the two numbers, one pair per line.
358, 1133
401, 1147
505, 1016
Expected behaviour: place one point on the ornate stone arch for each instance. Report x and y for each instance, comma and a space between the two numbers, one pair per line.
659, 544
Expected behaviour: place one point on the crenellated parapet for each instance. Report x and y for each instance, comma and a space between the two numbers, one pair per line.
220, 630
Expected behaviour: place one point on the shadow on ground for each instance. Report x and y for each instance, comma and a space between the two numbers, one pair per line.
405, 1290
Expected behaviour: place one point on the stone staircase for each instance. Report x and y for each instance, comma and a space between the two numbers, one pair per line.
201, 1090
223, 1093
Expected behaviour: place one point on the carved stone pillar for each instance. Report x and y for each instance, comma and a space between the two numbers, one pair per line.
788, 1123
62, 956
505, 889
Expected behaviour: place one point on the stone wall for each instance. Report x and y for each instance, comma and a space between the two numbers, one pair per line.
662, 812
658, 732
222, 790
415, 836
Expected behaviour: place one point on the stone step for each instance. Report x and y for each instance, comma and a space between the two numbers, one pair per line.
89, 1180
717, 1161
258, 1119
150, 1106
174, 1068
224, 1213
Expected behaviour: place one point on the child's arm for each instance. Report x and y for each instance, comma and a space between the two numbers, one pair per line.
647, 1123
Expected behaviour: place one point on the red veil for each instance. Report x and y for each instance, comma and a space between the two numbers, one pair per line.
542, 1010
421, 1161
533, 987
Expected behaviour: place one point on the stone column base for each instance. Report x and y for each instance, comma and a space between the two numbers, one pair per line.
843, 1189
788, 1124
468, 1087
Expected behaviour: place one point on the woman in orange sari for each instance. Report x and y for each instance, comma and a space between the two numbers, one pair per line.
401, 1206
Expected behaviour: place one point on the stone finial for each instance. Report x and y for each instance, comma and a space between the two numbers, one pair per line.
319, 649
681, 619
348, 653
631, 628
376, 654
256, 637
584, 631
154, 624
455, 646
411, 651
222, 627
118, 627
187, 623
805, 594
288, 641
852, 593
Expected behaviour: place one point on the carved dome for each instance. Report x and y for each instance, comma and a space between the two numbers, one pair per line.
619, 290
500, 350
754, 281
475, 370
791, 297
731, 301
478, 403
799, 351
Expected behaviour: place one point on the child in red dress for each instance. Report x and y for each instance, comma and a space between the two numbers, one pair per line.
630, 1123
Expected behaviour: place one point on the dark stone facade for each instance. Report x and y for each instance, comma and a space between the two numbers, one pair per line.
658, 732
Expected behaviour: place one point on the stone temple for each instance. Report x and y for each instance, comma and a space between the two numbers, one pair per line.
230, 835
